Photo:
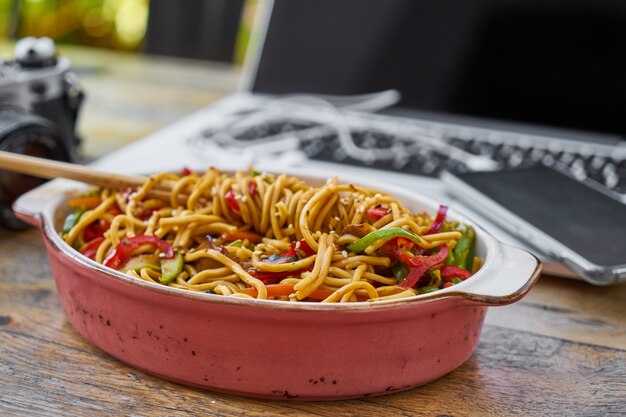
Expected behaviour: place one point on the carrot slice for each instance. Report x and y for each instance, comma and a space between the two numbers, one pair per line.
242, 235
281, 290
86, 202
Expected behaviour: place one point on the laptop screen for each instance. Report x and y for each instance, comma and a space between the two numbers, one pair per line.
559, 63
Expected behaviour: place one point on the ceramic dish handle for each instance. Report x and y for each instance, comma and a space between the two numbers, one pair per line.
30, 206
518, 271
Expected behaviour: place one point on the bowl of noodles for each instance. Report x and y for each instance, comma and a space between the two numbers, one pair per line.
275, 285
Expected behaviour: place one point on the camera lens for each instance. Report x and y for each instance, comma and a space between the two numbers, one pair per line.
24, 133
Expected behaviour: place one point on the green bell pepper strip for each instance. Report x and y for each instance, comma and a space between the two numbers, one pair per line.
384, 234
171, 268
461, 251
427, 289
400, 271
72, 219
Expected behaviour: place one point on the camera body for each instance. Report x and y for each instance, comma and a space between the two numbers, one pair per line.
40, 98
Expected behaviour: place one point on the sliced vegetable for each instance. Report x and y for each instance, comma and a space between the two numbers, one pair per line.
72, 219
242, 235
186, 171
418, 264
282, 290
439, 219
400, 270
299, 245
124, 250
460, 253
95, 230
137, 263
90, 249
376, 213
383, 234
275, 277
170, 268
86, 202
451, 271
252, 188
231, 200
427, 289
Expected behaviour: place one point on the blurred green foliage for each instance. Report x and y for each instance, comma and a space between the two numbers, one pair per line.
117, 24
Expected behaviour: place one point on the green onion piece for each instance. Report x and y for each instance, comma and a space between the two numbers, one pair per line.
427, 289
383, 234
400, 270
254, 172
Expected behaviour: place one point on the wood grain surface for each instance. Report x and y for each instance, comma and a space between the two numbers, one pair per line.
559, 352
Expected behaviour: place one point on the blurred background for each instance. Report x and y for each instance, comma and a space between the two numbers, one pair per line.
143, 64
205, 29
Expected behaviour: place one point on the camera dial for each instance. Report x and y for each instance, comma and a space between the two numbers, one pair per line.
34, 52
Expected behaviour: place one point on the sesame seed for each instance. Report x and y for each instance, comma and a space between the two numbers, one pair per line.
344, 253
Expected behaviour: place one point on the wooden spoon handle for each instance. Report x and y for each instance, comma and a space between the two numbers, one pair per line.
45, 168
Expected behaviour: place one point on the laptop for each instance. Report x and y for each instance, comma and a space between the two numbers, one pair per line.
403, 89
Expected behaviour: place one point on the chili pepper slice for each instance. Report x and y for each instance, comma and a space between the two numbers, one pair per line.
383, 234
124, 250
448, 272
439, 219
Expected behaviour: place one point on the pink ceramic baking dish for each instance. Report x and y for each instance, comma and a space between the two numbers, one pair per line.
273, 349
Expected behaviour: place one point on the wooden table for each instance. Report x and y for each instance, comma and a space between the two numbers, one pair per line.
560, 351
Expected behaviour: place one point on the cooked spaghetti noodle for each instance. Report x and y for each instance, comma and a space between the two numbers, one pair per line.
258, 235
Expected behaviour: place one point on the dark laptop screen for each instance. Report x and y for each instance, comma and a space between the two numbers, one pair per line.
544, 62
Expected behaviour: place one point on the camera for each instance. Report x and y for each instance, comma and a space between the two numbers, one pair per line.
40, 98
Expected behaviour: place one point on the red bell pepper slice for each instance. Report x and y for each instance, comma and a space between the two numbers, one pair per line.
268, 278
299, 245
90, 249
252, 188
418, 265
95, 230
232, 202
376, 213
186, 171
124, 250
450, 271
438, 222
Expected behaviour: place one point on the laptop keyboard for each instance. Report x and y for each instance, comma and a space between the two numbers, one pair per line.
379, 149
